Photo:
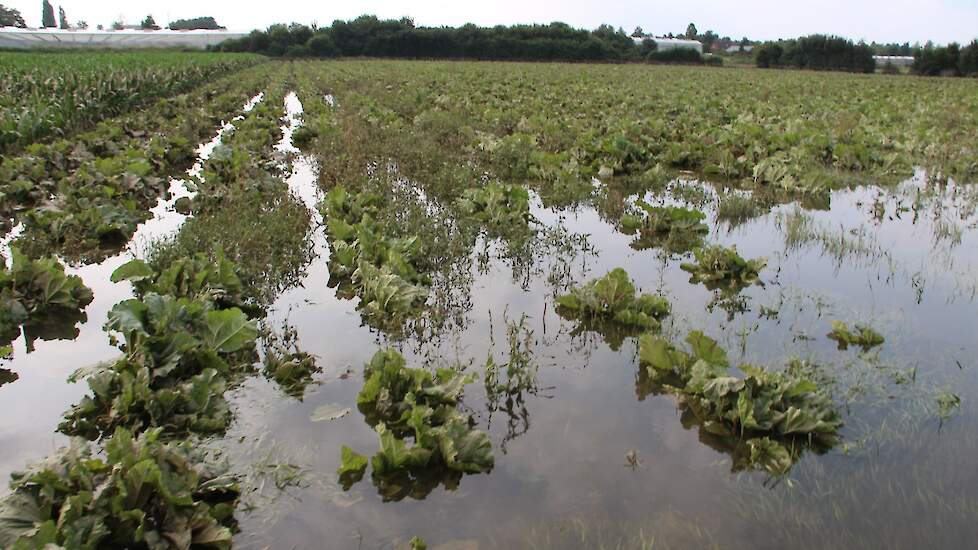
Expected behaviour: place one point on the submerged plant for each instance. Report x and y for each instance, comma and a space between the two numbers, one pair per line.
141, 494
722, 268
404, 403
609, 306
501, 206
775, 414
379, 268
947, 403
675, 229
862, 336
290, 367
32, 289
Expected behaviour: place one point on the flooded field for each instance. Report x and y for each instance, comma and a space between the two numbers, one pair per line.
785, 360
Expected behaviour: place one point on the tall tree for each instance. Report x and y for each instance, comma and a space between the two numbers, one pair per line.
638, 32
149, 24
10, 17
691, 32
62, 19
47, 15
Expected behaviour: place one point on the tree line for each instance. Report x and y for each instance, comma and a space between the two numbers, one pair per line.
950, 60
817, 52
372, 37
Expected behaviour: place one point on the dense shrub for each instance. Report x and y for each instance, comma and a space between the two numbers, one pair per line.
321, 45
676, 55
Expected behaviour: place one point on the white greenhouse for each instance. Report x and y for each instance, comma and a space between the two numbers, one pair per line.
55, 38
895, 60
664, 44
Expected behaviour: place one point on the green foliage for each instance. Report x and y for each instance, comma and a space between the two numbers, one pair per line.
47, 15
775, 414
141, 494
207, 23
183, 340
11, 17
34, 289
609, 306
401, 403
818, 52
84, 196
380, 268
502, 207
721, 268
674, 229
372, 37
197, 277
39, 285
178, 355
863, 336
55, 94
950, 60
290, 367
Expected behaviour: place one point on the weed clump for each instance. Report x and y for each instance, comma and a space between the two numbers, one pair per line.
861, 335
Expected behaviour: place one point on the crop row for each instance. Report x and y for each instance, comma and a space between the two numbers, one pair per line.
84, 196
53, 94
188, 333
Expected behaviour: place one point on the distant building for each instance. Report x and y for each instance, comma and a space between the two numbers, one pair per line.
895, 60
126, 38
663, 44
737, 48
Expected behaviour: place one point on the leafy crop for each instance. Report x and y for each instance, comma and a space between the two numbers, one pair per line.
196, 278
862, 336
609, 305
380, 268
178, 354
179, 351
53, 94
85, 195
142, 494
401, 403
502, 207
770, 415
32, 288
675, 229
721, 268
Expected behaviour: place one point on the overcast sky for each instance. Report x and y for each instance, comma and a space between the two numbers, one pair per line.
880, 20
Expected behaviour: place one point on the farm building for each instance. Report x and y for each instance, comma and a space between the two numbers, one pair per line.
895, 60
54, 38
663, 44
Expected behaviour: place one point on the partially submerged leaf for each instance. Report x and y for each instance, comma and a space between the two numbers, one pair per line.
329, 411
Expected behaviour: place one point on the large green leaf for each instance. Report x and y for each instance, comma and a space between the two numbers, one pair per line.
227, 331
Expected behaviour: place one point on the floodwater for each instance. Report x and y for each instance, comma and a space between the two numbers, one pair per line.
591, 458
